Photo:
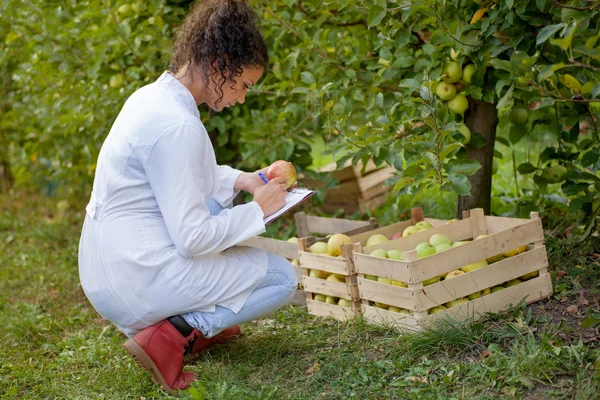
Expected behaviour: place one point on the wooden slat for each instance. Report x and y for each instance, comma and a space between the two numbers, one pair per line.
375, 178
371, 204
386, 294
477, 250
459, 230
328, 288
299, 298
299, 273
382, 317
499, 224
279, 247
342, 191
367, 228
370, 265
322, 225
532, 290
472, 282
329, 310
301, 224
478, 226
436, 222
335, 265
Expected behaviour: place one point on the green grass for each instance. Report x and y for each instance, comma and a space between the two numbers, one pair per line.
55, 346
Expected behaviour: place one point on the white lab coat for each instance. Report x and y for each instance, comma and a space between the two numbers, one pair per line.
149, 247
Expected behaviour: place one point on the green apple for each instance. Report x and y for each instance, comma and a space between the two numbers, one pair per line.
493, 259
394, 254
475, 295
314, 274
399, 284
334, 278
496, 289
422, 246
340, 276
379, 253
451, 304
376, 239
555, 173
381, 305
442, 247
437, 239
331, 300
463, 300
433, 280
466, 132
486, 291
513, 282
518, 116
453, 72
529, 275
399, 310
335, 242
371, 277
425, 251
320, 297
293, 240
454, 274
468, 72
514, 252
410, 230
475, 266
344, 303
436, 309
295, 263
387, 281
445, 91
458, 104
125, 10
423, 225
318, 248
323, 274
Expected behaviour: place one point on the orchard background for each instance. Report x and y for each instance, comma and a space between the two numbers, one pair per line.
347, 80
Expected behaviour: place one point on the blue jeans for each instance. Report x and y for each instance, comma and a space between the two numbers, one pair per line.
275, 291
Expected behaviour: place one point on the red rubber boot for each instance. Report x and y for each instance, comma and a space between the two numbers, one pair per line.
228, 334
160, 349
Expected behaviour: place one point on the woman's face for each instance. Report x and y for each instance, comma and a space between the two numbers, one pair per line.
234, 93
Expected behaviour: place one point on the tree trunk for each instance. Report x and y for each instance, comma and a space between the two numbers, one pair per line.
481, 118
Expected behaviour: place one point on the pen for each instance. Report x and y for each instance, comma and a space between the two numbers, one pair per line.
263, 177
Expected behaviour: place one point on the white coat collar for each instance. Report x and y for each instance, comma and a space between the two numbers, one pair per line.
179, 91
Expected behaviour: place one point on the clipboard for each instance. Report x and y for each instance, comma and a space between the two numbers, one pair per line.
294, 197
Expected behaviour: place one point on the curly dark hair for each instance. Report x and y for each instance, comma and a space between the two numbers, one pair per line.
221, 37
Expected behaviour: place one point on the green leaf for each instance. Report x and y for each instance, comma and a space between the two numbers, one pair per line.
502, 140
410, 83
449, 150
382, 120
596, 91
589, 322
307, 78
547, 31
460, 184
329, 105
541, 4
467, 167
425, 93
379, 100
526, 168
507, 99
590, 158
376, 14
502, 64
509, 3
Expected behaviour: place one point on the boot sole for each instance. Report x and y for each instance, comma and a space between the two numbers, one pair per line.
143, 360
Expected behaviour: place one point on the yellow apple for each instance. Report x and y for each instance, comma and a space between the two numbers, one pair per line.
371, 277
387, 281
445, 91
454, 274
323, 274
381, 253
432, 280
320, 297
423, 225
529, 275
381, 305
410, 230
514, 252
442, 247
293, 240
513, 282
400, 284
334, 278
296, 263
399, 310
314, 274
493, 259
496, 289
475, 295
335, 242
437, 239
394, 255
344, 303
318, 248
463, 300
475, 266
376, 239
331, 300
451, 304
436, 309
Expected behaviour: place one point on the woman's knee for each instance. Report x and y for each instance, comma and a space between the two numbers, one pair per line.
285, 274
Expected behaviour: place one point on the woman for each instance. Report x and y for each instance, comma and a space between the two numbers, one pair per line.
156, 255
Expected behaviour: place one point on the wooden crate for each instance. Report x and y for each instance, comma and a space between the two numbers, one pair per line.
504, 234
342, 265
306, 224
356, 190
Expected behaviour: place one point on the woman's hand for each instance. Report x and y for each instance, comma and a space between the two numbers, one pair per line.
250, 181
271, 197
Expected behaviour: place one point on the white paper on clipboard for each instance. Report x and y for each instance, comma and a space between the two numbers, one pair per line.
294, 197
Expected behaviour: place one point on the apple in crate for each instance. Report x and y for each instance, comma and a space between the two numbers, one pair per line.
335, 242
437, 238
376, 239
410, 230
399, 310
424, 249
314, 274
459, 243
381, 305
331, 300
379, 253
387, 281
319, 248
454, 274
423, 225
436, 309
399, 284
530, 275
320, 297
463, 300
513, 282
442, 247
293, 240
344, 303
394, 255
396, 235
335, 278
371, 277
514, 252
475, 266
282, 169
497, 288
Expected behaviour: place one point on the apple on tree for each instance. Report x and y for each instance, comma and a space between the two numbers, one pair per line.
458, 104
452, 71
445, 91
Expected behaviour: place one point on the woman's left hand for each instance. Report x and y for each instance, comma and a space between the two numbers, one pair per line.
250, 181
